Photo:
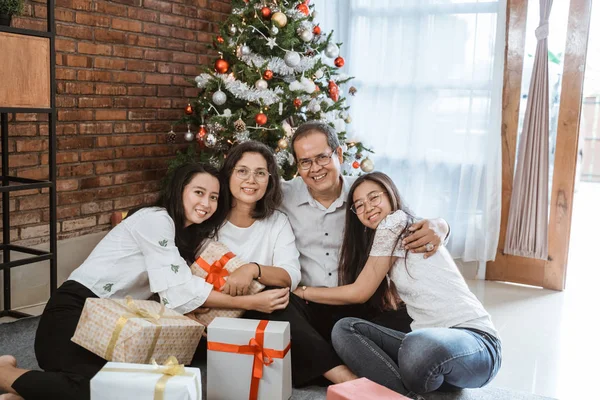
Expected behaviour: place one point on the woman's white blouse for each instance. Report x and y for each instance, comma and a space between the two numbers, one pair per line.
137, 258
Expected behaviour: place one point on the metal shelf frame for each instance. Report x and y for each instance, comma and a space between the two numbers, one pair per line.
12, 183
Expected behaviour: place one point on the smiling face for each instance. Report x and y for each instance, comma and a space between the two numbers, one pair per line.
200, 198
248, 190
366, 194
318, 178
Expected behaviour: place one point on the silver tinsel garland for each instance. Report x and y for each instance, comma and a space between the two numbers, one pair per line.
241, 90
277, 65
242, 137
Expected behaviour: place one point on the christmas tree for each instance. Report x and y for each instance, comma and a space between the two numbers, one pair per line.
275, 70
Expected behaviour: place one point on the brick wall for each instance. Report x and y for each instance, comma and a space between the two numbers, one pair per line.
121, 70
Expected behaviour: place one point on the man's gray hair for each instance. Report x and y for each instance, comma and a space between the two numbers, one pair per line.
311, 126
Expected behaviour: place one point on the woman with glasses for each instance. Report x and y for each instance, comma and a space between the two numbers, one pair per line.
453, 343
255, 230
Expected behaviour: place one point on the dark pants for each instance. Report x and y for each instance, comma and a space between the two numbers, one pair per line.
68, 368
311, 325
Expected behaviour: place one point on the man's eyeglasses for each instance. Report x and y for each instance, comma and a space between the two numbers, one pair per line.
261, 175
321, 159
374, 199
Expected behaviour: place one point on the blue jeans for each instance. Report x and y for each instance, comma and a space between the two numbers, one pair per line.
418, 362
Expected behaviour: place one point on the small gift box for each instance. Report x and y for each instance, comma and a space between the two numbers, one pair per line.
214, 263
136, 331
362, 389
249, 359
123, 381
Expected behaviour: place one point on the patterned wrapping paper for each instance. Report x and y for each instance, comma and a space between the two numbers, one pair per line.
216, 257
136, 331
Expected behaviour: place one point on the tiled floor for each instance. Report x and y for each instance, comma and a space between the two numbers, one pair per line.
549, 344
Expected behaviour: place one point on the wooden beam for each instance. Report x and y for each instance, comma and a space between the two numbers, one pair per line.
514, 51
567, 138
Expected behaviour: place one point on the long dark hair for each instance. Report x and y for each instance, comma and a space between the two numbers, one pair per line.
188, 239
358, 240
266, 206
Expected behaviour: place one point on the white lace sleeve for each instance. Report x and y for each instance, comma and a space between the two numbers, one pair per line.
386, 241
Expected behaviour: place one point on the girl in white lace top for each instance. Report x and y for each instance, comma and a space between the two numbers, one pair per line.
453, 342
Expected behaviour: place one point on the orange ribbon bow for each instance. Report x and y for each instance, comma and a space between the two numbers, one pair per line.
256, 348
216, 271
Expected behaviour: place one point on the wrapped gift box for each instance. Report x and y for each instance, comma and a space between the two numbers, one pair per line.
362, 389
214, 262
123, 381
136, 331
248, 359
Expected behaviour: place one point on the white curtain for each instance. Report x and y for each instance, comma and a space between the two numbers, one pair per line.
429, 78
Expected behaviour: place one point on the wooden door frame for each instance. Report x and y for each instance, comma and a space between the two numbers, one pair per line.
549, 273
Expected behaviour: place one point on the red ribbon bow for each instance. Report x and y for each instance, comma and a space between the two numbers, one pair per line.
254, 347
216, 271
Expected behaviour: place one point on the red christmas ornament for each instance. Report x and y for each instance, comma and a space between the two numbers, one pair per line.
221, 66
317, 30
334, 91
297, 102
303, 8
260, 119
339, 62
355, 164
268, 75
220, 39
189, 110
201, 132
265, 12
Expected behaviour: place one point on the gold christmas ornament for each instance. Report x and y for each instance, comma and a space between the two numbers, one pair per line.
367, 165
282, 143
279, 19
239, 125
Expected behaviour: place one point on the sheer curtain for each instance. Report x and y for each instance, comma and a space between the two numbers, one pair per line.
429, 78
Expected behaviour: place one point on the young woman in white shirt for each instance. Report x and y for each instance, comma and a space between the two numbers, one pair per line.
453, 343
148, 253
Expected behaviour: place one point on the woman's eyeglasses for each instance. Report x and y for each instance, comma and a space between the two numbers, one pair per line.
261, 175
373, 199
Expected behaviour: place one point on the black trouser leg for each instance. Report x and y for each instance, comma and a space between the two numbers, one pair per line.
68, 367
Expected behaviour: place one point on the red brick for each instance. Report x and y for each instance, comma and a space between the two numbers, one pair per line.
160, 150
156, 79
142, 115
35, 231
75, 115
77, 61
128, 177
137, 3
129, 152
66, 102
31, 145
169, 68
129, 202
158, 5
109, 8
182, 81
95, 102
197, 25
74, 31
110, 141
171, 44
75, 197
126, 25
90, 48
128, 127
110, 115
141, 90
140, 40
64, 212
95, 128
64, 15
153, 102
159, 30
159, 55
169, 114
22, 130
75, 170
110, 167
180, 9
23, 160
77, 224
66, 129
66, 74
174, 20
96, 207
31, 117
33, 202
112, 90
66, 157
135, 65
204, 37
157, 127
128, 77
181, 33
112, 192
128, 52
65, 45
85, 5
169, 91
143, 15
39, 173
185, 58
109, 36
142, 139
25, 218
129, 102
96, 181
194, 47
92, 20
79, 87
75, 143
66, 185
109, 63
220, 7
97, 155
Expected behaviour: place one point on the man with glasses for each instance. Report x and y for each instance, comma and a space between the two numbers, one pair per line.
314, 202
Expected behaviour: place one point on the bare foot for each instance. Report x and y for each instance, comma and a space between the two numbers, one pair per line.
340, 374
8, 360
10, 396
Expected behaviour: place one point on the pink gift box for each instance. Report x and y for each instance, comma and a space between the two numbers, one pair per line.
362, 389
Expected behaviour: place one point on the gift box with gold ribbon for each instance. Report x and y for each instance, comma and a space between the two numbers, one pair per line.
136, 331
125, 381
248, 359
214, 262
